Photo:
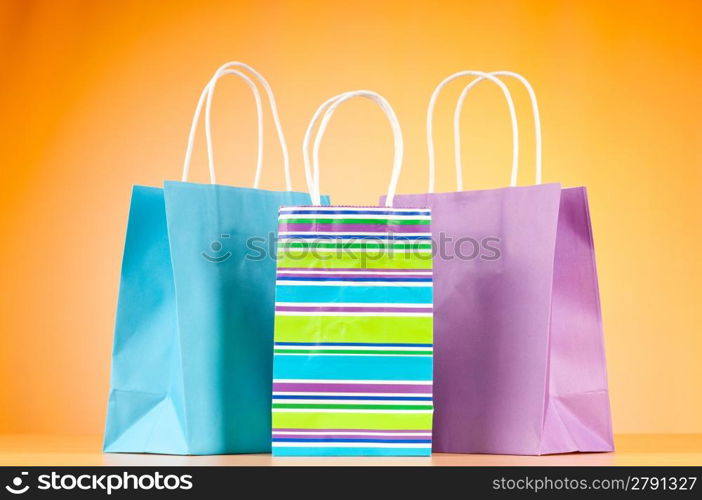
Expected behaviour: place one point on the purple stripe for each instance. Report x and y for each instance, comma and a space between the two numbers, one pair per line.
366, 228
350, 388
326, 437
342, 276
346, 269
388, 431
352, 309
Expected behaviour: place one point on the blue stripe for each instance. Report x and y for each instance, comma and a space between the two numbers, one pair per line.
395, 280
353, 294
330, 440
352, 367
302, 451
343, 212
352, 344
387, 236
369, 398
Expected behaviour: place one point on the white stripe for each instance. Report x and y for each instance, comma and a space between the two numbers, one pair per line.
349, 402
337, 354
351, 348
332, 444
340, 381
359, 209
332, 353
353, 283
368, 216
351, 304
342, 241
352, 233
314, 410
400, 274
346, 433
347, 313
360, 394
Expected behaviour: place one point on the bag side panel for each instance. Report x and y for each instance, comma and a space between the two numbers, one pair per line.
145, 357
578, 411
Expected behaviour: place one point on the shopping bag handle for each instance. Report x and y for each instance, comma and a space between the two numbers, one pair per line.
430, 124
328, 108
206, 100
535, 112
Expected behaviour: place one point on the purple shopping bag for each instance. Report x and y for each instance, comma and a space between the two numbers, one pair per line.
518, 345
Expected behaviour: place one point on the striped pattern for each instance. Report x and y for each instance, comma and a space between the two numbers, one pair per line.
353, 332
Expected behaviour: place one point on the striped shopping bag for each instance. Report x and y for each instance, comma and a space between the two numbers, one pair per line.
352, 364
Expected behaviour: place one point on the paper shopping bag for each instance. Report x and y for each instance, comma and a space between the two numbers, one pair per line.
352, 371
519, 357
192, 355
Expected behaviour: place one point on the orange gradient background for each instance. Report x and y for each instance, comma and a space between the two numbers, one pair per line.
98, 95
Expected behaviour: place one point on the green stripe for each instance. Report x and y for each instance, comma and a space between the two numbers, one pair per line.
347, 351
351, 407
396, 246
401, 222
331, 260
373, 421
378, 329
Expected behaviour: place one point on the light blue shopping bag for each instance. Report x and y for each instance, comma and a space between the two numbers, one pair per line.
193, 345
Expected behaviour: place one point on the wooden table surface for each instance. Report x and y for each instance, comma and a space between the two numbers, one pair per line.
632, 449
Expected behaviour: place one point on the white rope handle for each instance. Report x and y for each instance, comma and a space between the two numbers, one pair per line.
430, 124
206, 97
457, 132
328, 108
535, 112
